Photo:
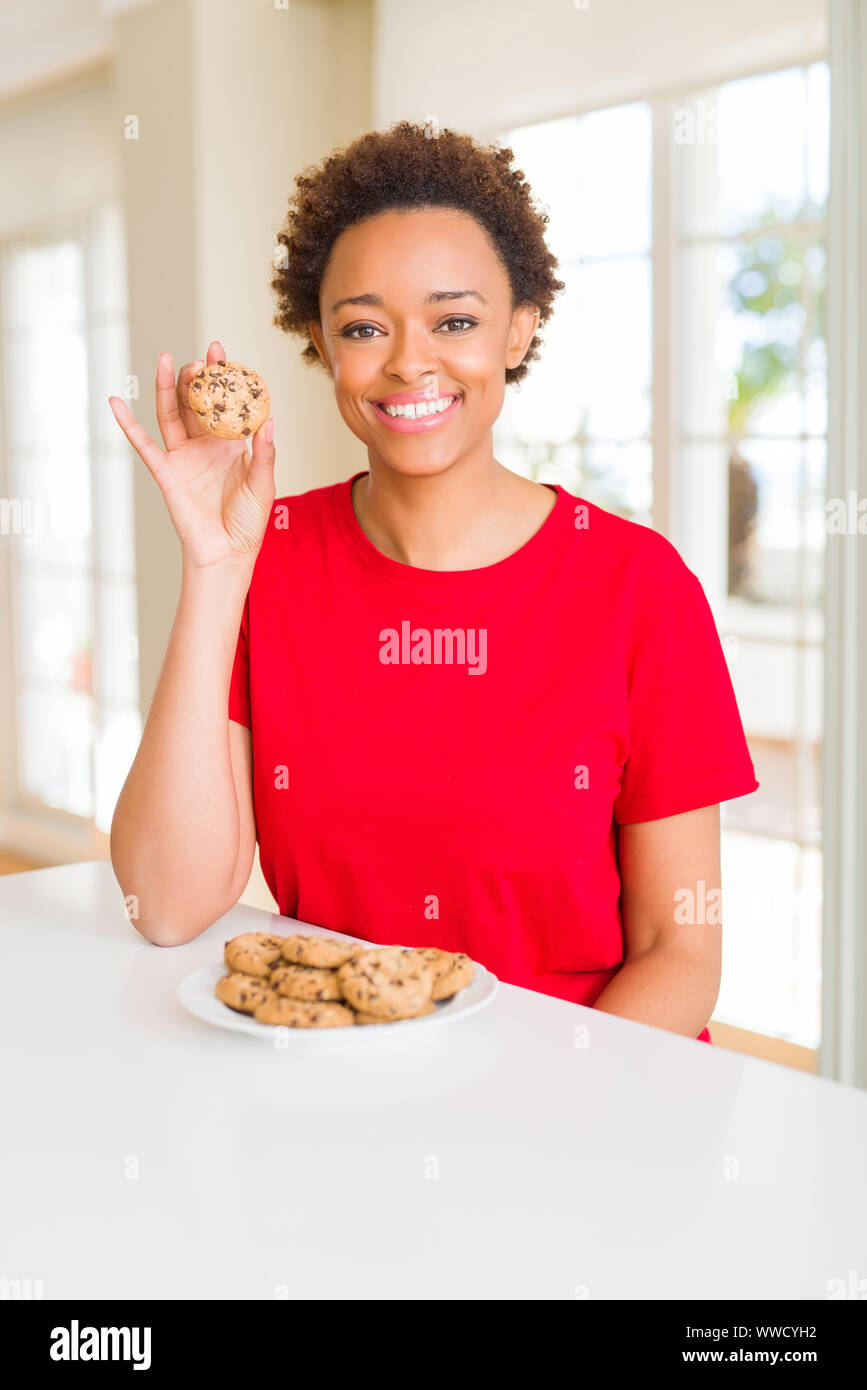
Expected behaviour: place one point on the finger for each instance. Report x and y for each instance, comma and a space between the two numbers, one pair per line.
192, 423
150, 453
171, 425
216, 353
260, 478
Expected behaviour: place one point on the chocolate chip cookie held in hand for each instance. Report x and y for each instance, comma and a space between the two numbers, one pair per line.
218, 494
231, 400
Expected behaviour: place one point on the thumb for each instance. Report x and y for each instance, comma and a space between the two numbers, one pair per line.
261, 475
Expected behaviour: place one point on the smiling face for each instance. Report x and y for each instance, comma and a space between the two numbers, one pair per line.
417, 330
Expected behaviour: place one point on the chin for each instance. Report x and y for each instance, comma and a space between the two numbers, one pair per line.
415, 468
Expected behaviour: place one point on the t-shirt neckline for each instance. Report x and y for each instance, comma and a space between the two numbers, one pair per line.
501, 572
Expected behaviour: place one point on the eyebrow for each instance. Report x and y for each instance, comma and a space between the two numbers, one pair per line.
434, 297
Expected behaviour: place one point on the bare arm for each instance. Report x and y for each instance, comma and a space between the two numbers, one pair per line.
183, 833
671, 975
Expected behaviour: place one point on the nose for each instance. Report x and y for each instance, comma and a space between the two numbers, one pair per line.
411, 355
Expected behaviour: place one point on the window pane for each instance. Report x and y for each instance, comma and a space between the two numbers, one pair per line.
117, 657
73, 592
54, 629
751, 318
762, 124
617, 341
747, 142
591, 386
782, 557
548, 405
46, 398
57, 479
113, 503
46, 375
43, 288
116, 744
548, 153
594, 372
55, 737
619, 477
109, 367
818, 134
772, 935
569, 166
707, 356
788, 803
615, 157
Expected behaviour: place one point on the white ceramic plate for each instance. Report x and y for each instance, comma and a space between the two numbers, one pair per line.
196, 993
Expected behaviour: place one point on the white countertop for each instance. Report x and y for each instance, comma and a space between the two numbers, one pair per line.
644, 1165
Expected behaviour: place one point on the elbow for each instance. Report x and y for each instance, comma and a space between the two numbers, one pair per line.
159, 928
163, 933
169, 911
160, 923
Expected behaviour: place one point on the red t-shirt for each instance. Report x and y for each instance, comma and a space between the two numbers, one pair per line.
443, 757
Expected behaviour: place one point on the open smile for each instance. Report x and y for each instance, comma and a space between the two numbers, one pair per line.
413, 416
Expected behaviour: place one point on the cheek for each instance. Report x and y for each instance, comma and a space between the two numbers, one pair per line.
342, 372
484, 371
481, 361
351, 381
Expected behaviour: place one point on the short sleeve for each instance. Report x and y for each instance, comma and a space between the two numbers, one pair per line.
239, 684
687, 746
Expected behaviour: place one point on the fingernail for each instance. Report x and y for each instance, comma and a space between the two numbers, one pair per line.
269, 432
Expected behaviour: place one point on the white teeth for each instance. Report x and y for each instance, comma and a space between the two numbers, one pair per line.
414, 410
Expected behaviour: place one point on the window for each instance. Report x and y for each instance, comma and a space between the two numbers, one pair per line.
68, 512
706, 407
582, 417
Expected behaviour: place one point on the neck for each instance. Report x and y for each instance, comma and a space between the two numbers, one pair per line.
469, 515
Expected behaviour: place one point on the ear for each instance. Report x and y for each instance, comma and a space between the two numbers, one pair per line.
525, 321
314, 328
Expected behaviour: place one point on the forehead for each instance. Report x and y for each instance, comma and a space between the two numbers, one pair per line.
405, 254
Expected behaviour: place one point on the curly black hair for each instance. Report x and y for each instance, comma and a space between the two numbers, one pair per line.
411, 165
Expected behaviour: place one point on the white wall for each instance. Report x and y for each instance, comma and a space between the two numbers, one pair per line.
494, 64
57, 154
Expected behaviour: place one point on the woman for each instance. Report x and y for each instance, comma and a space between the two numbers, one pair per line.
456, 707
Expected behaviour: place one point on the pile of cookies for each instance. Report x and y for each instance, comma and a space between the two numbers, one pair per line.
320, 982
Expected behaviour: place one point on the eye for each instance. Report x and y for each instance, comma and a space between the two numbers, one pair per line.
357, 327
364, 332
461, 319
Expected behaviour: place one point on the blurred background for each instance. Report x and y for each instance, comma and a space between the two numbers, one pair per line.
701, 166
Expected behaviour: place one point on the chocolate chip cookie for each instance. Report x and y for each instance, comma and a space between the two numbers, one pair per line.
303, 1013
361, 1017
452, 970
324, 951
243, 993
253, 953
305, 982
390, 982
230, 401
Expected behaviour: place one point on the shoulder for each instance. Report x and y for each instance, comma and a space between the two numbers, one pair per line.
298, 521
303, 507
638, 560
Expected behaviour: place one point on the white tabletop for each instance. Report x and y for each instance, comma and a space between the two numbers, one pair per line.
149, 1155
